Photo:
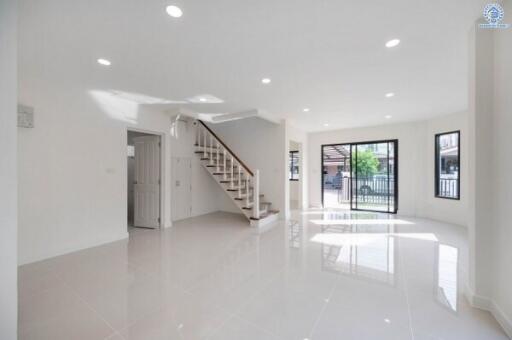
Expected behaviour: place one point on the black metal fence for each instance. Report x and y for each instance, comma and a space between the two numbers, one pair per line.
448, 187
374, 190
371, 190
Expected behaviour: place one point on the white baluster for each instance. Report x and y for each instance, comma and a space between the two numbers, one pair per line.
225, 167
256, 203
239, 181
204, 143
198, 134
232, 177
211, 150
218, 159
248, 196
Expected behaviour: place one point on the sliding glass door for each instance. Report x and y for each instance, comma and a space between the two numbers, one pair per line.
374, 176
361, 176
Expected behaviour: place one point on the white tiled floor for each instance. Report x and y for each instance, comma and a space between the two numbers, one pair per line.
324, 275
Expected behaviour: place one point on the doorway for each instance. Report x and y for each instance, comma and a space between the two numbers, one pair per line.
361, 176
144, 179
294, 175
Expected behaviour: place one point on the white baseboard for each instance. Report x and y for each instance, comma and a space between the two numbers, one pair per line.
502, 318
95, 243
491, 306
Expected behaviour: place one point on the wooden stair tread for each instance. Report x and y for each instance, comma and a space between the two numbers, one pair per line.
267, 214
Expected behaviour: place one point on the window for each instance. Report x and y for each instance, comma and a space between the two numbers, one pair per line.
294, 166
448, 165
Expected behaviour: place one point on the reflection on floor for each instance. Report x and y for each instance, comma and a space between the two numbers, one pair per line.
212, 277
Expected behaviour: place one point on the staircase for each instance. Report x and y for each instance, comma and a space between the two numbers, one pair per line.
241, 184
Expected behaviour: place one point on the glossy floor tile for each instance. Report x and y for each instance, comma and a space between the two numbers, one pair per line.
322, 275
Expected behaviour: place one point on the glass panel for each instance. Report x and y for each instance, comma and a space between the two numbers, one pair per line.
294, 165
373, 177
359, 176
336, 176
447, 165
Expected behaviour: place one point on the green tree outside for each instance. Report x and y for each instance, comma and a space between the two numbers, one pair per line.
367, 164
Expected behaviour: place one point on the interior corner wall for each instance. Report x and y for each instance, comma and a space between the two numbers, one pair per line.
8, 180
502, 170
480, 130
261, 145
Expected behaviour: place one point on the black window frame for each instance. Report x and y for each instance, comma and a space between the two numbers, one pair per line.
291, 165
437, 170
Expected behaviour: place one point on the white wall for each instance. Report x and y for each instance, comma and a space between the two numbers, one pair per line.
261, 145
480, 131
416, 172
490, 123
451, 211
502, 165
73, 171
8, 180
300, 188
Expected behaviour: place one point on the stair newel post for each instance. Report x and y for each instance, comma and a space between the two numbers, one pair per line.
204, 143
218, 159
232, 177
239, 181
256, 204
198, 135
225, 167
247, 192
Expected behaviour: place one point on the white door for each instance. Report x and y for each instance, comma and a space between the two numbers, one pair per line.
147, 182
181, 188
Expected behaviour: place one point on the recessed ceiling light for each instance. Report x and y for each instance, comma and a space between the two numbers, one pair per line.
388, 116
390, 94
266, 80
326, 125
104, 62
202, 99
393, 43
306, 109
174, 11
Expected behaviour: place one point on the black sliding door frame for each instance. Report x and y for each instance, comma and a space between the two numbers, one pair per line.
353, 146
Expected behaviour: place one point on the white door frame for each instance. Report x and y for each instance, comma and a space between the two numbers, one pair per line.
163, 169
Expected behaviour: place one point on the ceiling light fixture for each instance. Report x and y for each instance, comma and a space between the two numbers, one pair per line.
393, 43
266, 80
388, 116
202, 99
306, 110
104, 62
174, 11
326, 125
390, 94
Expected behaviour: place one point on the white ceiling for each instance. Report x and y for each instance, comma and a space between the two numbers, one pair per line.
326, 55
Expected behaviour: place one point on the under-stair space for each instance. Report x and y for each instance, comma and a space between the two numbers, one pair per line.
241, 184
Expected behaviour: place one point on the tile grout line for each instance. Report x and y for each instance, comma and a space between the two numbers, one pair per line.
406, 293
237, 315
317, 321
90, 307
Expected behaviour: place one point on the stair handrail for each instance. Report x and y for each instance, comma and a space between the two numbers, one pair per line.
226, 147
255, 176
